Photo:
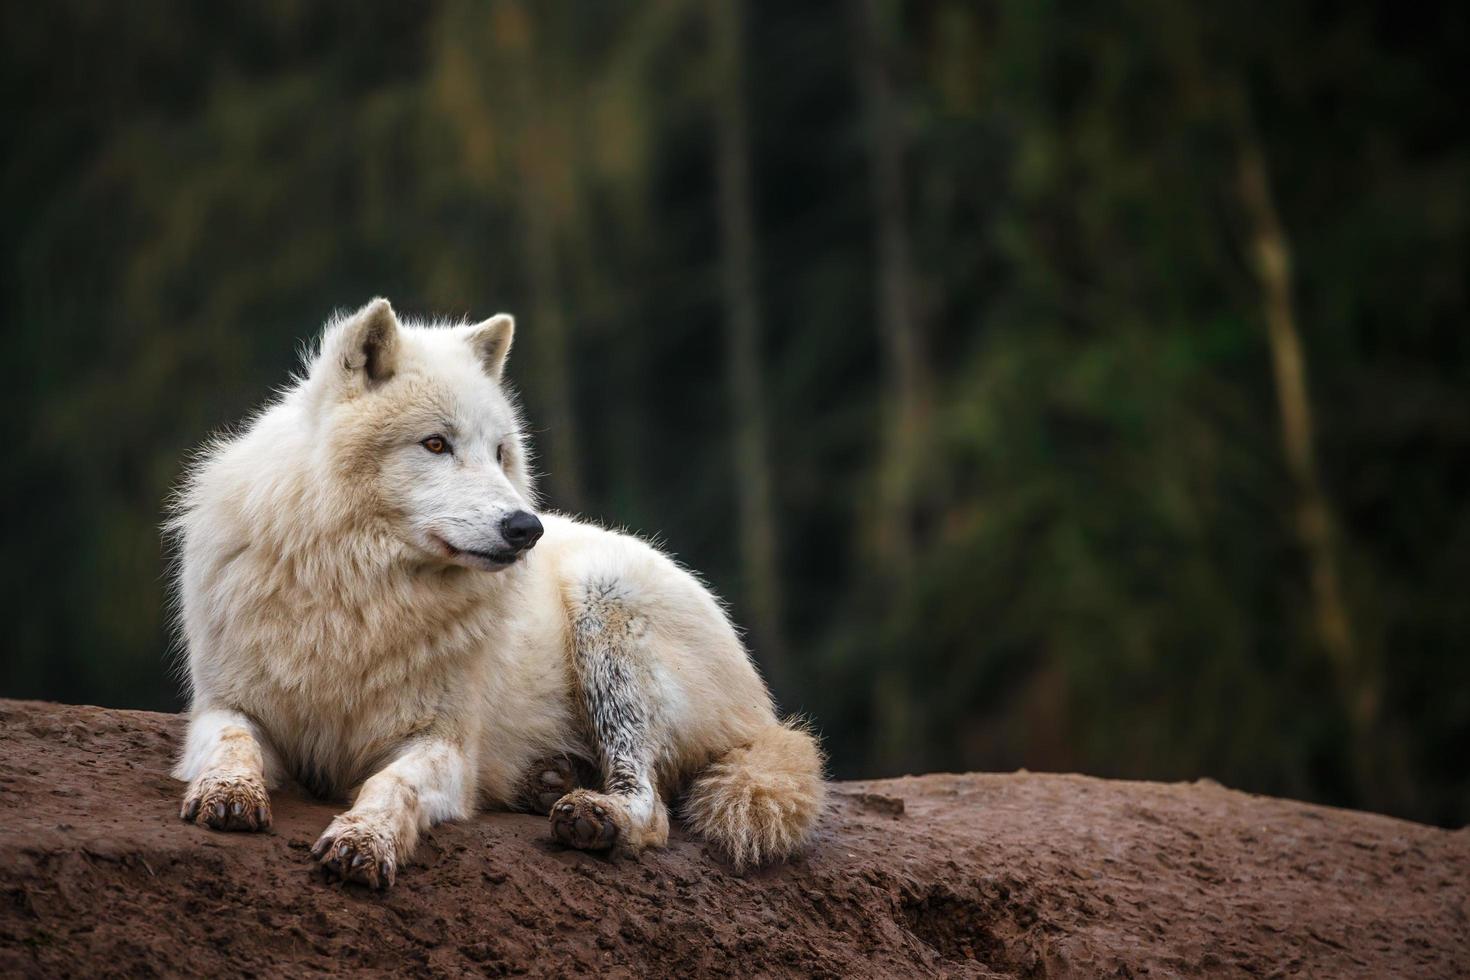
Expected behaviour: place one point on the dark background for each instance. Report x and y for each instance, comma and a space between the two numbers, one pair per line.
1066, 386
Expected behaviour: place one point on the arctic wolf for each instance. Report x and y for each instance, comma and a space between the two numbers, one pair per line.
374, 607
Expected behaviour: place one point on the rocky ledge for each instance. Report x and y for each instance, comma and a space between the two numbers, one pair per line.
1016, 875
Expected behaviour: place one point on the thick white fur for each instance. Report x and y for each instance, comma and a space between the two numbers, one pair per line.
340, 631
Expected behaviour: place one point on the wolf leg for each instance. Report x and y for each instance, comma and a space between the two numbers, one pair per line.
429, 782
229, 768
616, 692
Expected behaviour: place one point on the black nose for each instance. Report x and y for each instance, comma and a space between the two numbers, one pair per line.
521, 530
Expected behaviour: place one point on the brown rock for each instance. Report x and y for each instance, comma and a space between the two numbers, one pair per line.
979, 875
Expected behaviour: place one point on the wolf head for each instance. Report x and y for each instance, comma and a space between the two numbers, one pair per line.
418, 427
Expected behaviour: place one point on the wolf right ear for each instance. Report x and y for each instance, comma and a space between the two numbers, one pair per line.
365, 344
490, 341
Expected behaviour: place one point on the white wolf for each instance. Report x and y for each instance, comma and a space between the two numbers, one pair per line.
372, 607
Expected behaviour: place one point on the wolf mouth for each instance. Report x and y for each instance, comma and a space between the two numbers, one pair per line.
497, 558
494, 557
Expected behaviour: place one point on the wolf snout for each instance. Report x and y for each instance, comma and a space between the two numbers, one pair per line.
521, 530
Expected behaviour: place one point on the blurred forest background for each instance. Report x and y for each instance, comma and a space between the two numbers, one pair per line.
1069, 386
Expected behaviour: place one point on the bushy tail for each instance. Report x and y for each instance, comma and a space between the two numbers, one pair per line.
760, 801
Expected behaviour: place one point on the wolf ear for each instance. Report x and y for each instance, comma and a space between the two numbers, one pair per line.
490, 340
365, 344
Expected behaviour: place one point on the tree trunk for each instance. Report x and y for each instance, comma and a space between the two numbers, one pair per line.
906, 401
1271, 261
545, 339
905, 405
753, 483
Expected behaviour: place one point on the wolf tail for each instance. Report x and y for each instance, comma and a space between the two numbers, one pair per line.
760, 801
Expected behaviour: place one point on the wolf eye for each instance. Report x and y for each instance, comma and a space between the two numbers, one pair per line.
500, 454
437, 445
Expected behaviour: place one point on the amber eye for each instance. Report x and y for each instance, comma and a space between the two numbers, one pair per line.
500, 454
437, 445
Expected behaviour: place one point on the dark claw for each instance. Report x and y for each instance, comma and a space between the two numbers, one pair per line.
262, 816
238, 809
191, 809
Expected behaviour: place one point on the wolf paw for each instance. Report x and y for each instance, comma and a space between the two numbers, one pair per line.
354, 852
227, 803
587, 821
553, 778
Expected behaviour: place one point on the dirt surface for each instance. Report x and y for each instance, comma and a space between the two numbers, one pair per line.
979, 875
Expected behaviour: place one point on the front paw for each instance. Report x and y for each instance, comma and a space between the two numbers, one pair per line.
353, 851
227, 803
588, 821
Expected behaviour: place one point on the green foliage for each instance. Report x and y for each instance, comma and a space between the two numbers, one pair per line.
1106, 573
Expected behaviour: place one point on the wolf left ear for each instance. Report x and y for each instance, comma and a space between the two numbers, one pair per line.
365, 344
490, 340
